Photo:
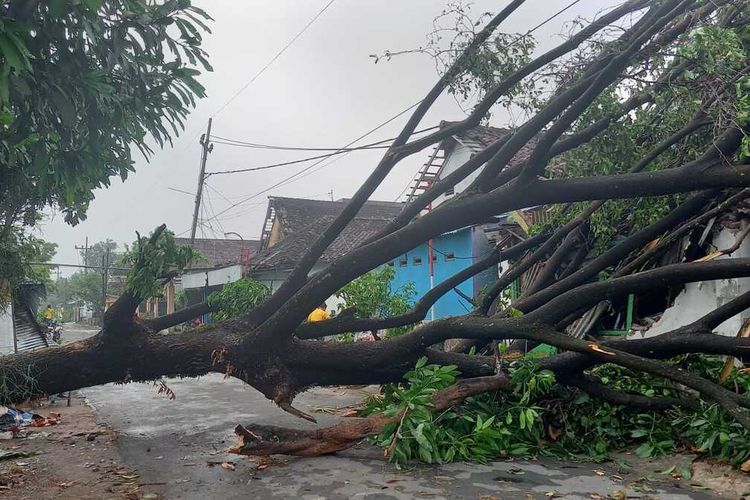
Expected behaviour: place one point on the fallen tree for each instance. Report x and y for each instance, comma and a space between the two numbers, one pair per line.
681, 56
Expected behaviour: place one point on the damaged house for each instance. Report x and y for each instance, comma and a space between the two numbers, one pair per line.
718, 233
291, 224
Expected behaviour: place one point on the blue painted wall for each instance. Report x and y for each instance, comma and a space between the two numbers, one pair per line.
453, 252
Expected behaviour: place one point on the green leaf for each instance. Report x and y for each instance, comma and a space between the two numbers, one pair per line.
645, 450
93, 5
669, 470
685, 473
57, 8
10, 52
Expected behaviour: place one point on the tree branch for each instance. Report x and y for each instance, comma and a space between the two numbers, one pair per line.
255, 439
268, 311
675, 274
177, 317
417, 313
595, 388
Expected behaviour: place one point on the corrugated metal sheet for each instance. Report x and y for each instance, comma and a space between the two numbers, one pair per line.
29, 335
529, 277
582, 326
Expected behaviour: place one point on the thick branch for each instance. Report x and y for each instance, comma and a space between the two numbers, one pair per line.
723, 313
257, 439
177, 317
595, 388
675, 274
417, 313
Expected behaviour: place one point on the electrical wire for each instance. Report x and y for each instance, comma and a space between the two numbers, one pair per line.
212, 212
339, 151
273, 59
277, 165
294, 176
241, 144
553, 16
237, 142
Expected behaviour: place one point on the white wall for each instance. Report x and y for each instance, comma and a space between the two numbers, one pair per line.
6, 330
698, 299
274, 279
459, 156
220, 276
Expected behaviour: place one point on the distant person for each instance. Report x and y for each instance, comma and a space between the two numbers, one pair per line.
49, 314
319, 314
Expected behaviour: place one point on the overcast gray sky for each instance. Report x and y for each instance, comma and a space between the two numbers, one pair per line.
323, 92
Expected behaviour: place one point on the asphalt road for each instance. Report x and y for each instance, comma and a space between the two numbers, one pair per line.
172, 443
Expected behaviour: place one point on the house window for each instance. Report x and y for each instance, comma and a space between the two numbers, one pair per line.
450, 191
434, 258
403, 261
450, 256
417, 261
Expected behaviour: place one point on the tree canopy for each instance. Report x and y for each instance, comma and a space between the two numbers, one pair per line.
82, 84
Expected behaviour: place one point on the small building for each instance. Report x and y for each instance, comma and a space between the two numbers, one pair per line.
19, 330
224, 261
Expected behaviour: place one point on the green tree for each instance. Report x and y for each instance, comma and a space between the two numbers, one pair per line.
237, 298
96, 255
17, 251
372, 296
81, 84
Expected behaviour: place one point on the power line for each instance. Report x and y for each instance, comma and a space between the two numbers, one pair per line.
180, 191
273, 59
277, 165
550, 18
336, 151
308, 168
234, 142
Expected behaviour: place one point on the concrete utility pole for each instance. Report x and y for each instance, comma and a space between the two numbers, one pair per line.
85, 249
207, 148
105, 280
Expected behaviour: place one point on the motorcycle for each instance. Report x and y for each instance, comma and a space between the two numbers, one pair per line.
54, 331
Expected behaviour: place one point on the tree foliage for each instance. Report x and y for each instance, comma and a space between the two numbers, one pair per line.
372, 296
17, 251
83, 82
540, 417
237, 298
153, 259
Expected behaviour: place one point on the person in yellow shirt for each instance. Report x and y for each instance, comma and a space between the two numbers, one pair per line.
319, 314
49, 313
